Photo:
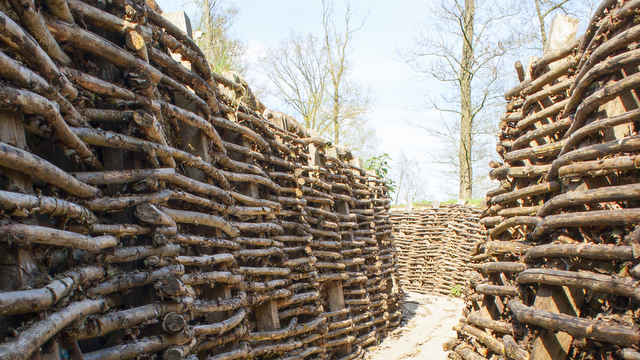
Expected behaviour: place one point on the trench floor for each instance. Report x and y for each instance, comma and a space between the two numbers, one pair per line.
426, 327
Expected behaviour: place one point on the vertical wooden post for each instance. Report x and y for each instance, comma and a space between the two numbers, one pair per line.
17, 263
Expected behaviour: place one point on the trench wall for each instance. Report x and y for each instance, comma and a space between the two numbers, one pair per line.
151, 207
562, 245
434, 246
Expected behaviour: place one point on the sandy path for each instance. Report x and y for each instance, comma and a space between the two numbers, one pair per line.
430, 321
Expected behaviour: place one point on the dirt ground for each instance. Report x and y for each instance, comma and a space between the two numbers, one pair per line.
428, 326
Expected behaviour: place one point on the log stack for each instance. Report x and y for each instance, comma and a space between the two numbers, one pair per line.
557, 277
153, 208
434, 246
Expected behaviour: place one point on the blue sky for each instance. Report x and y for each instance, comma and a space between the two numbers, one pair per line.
389, 27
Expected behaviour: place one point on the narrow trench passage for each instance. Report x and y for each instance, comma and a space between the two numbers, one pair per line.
427, 326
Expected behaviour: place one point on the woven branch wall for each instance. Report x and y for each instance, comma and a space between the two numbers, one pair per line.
434, 246
563, 238
151, 207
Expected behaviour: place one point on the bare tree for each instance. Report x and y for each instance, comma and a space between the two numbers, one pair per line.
407, 175
349, 102
297, 69
222, 50
312, 76
462, 46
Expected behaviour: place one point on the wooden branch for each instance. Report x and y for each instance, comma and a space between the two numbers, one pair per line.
131, 280
208, 306
545, 94
618, 193
497, 290
17, 204
44, 235
133, 253
205, 242
191, 119
503, 267
246, 132
528, 191
264, 271
629, 144
487, 323
617, 285
190, 217
123, 319
542, 131
250, 178
118, 141
205, 260
492, 343
33, 337
13, 36
530, 221
220, 328
584, 251
619, 217
31, 103
597, 330
610, 91
140, 347
468, 354
273, 335
550, 76
27, 301
33, 21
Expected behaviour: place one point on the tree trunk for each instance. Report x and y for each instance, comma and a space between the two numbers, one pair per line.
543, 33
466, 110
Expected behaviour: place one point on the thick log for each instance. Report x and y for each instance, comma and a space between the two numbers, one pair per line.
205, 260
497, 290
503, 267
492, 343
628, 144
597, 330
25, 162
619, 217
617, 285
487, 323
26, 301
205, 242
600, 195
124, 319
224, 277
44, 235
584, 251
17, 204
33, 337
